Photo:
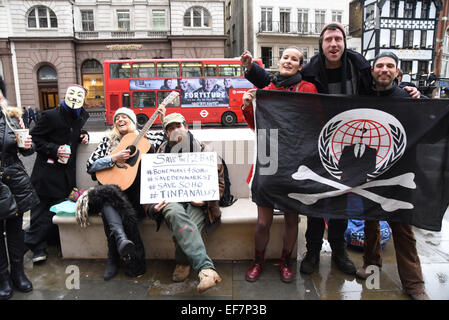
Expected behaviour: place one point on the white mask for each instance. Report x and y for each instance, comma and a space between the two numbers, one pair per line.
74, 97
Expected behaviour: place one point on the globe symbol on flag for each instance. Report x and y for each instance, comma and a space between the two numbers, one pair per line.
371, 133
363, 130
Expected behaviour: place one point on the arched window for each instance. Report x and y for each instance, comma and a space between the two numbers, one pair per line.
197, 17
41, 18
47, 73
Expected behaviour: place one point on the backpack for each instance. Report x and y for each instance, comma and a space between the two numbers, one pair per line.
355, 233
227, 199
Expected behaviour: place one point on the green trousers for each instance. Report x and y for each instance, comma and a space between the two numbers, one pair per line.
186, 223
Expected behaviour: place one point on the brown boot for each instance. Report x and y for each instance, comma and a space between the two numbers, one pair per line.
208, 279
181, 272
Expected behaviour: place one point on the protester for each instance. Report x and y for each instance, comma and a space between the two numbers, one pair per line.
189, 217
120, 224
287, 79
384, 72
334, 70
18, 181
54, 171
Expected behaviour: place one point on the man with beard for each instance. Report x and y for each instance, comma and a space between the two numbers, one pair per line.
186, 220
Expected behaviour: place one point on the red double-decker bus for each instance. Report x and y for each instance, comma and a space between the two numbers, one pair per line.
210, 90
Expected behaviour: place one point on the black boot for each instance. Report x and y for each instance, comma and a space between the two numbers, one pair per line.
310, 262
6, 291
16, 249
341, 259
113, 262
115, 227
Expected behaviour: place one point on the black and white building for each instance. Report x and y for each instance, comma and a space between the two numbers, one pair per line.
406, 27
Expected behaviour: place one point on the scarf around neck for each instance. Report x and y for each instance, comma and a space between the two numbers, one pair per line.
281, 81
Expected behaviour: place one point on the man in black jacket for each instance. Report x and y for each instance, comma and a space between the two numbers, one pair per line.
384, 72
54, 172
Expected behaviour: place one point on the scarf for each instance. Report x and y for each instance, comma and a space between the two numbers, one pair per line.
74, 113
281, 81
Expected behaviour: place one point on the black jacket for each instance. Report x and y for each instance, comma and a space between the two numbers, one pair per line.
55, 128
14, 174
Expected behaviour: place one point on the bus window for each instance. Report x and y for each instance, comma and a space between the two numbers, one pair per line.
161, 95
229, 70
126, 100
210, 70
145, 99
143, 70
168, 69
191, 69
120, 70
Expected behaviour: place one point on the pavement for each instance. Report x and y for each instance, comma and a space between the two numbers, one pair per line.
69, 279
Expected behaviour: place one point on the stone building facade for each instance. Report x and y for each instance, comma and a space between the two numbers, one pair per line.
47, 45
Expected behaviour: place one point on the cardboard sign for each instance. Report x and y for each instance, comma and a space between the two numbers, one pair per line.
179, 177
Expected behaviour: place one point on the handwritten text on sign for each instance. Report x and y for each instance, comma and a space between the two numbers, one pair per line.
179, 177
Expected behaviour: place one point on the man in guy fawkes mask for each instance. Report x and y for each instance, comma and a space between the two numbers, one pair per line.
56, 136
190, 217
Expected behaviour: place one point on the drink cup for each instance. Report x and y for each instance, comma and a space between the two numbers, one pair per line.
65, 159
21, 135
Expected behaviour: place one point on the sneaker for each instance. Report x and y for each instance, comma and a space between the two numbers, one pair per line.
39, 256
310, 262
419, 296
208, 279
343, 262
181, 272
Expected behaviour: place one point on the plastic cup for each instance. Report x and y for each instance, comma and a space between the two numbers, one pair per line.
21, 135
64, 160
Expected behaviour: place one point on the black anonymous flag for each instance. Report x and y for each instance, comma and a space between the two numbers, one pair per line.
367, 158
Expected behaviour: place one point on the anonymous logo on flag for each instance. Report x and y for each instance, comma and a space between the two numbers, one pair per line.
316, 153
355, 147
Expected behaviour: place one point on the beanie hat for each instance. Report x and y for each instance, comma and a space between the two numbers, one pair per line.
173, 117
127, 112
388, 54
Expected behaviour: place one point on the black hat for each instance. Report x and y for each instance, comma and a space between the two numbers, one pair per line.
388, 54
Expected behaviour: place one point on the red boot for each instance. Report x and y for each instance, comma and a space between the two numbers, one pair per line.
287, 274
255, 270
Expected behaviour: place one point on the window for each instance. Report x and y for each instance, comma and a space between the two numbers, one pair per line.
409, 8
267, 56
229, 70
197, 17
369, 12
210, 70
191, 69
408, 39
423, 67
303, 20
320, 20
126, 100
284, 19
267, 19
123, 20
87, 20
423, 38
42, 17
406, 67
159, 20
120, 70
47, 73
425, 9
394, 7
392, 38
168, 69
161, 95
281, 51
144, 70
305, 55
336, 16
145, 99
